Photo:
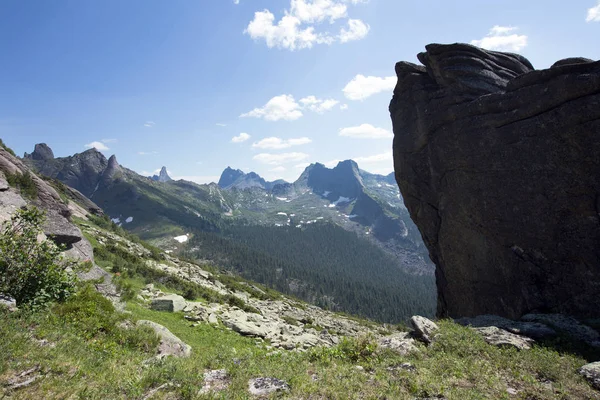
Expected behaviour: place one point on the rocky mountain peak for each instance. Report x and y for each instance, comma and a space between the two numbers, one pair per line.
163, 176
342, 181
229, 176
497, 164
41, 152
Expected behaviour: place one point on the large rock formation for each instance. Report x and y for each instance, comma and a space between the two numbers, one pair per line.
499, 166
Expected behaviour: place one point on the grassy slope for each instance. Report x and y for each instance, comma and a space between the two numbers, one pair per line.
91, 357
458, 366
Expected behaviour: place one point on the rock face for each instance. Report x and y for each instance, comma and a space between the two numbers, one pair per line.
498, 165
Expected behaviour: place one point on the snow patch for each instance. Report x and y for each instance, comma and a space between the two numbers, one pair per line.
282, 213
320, 217
352, 216
129, 220
326, 193
182, 238
116, 220
281, 198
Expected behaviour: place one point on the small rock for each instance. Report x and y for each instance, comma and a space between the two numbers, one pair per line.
3, 183
500, 338
424, 328
359, 368
512, 391
212, 319
591, 372
8, 302
170, 345
266, 386
215, 380
170, 303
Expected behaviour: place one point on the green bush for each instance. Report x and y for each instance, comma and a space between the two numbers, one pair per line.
24, 182
7, 148
32, 272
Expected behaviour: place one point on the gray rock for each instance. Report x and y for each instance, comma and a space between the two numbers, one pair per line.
424, 328
212, 319
266, 386
399, 343
568, 325
497, 165
170, 303
8, 302
501, 338
591, 372
170, 345
58, 229
533, 330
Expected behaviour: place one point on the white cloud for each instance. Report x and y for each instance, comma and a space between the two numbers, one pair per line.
242, 137
276, 143
236, 1
366, 131
317, 105
377, 158
287, 108
593, 14
500, 38
97, 145
296, 29
344, 107
356, 30
109, 140
279, 107
361, 87
219, 124
278, 159
301, 165
278, 169
149, 124
147, 153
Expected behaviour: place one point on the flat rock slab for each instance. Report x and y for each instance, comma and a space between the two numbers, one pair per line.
170, 345
591, 372
535, 330
267, 386
169, 303
3, 183
501, 338
424, 328
568, 325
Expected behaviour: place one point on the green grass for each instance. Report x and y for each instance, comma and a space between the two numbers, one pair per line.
91, 359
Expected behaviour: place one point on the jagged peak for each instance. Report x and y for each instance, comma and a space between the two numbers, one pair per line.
41, 152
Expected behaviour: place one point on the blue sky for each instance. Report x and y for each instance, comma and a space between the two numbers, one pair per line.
262, 85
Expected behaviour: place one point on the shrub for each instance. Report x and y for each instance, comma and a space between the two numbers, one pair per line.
32, 272
94, 318
24, 182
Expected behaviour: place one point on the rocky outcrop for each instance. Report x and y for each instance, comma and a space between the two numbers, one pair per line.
163, 176
498, 165
41, 152
85, 172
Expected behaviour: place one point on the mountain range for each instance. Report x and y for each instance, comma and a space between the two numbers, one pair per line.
272, 232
